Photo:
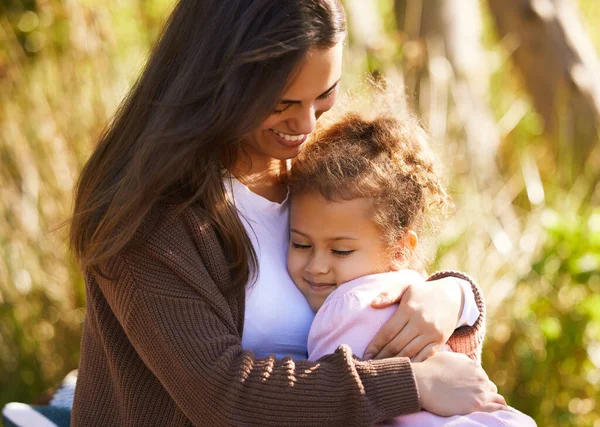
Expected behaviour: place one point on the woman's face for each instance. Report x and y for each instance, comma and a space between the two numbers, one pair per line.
312, 92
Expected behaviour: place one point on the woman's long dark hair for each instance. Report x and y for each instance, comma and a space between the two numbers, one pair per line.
215, 74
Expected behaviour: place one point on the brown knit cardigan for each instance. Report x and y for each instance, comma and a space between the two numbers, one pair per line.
162, 347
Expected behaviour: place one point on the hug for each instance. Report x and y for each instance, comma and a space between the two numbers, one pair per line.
232, 246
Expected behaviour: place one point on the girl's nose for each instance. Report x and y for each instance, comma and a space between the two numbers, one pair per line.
317, 265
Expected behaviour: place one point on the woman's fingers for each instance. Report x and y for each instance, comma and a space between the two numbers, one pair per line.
495, 402
402, 345
382, 344
398, 282
410, 347
390, 297
425, 353
492, 407
382, 300
498, 398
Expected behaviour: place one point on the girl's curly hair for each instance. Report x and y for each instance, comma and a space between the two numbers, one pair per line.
385, 158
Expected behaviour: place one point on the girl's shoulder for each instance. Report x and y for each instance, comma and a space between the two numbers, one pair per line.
347, 317
363, 290
351, 302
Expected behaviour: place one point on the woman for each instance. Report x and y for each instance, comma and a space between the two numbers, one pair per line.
174, 282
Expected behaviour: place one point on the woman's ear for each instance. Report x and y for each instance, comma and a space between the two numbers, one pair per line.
404, 250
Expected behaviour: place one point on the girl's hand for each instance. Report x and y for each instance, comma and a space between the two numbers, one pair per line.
426, 316
452, 384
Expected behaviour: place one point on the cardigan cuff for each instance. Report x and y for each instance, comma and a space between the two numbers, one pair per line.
467, 339
394, 386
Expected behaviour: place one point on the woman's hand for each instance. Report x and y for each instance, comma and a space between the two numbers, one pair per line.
426, 316
452, 384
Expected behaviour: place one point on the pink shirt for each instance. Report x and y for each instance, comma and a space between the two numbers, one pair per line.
347, 317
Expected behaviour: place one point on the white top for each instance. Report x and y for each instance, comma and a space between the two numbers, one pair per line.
277, 317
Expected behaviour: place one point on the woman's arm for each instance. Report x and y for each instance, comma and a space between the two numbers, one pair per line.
426, 318
448, 385
199, 360
467, 340
168, 298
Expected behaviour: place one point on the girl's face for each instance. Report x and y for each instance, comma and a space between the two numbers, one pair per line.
311, 93
332, 243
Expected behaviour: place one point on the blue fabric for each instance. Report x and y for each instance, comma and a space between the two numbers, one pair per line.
57, 413
59, 416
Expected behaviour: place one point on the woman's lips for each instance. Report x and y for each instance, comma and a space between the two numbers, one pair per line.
288, 143
320, 287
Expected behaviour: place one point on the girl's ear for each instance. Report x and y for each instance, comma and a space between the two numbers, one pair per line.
409, 241
405, 250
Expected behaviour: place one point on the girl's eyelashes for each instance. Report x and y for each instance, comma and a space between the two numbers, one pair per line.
298, 246
341, 253
333, 251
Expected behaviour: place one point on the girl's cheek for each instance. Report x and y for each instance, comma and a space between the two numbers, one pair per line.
355, 267
344, 270
296, 260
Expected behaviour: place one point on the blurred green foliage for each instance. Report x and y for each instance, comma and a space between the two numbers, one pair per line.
64, 68
543, 347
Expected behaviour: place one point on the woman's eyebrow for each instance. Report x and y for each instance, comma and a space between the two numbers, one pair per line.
291, 101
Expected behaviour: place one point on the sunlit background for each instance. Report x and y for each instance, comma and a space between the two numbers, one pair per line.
509, 90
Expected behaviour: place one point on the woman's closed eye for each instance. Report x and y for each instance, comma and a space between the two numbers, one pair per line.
327, 94
281, 111
321, 97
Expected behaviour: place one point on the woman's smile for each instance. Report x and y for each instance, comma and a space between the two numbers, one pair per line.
289, 140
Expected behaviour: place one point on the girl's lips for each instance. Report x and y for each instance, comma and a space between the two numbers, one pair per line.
286, 143
320, 287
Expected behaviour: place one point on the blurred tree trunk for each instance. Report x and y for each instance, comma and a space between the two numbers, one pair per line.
446, 62
560, 69
366, 26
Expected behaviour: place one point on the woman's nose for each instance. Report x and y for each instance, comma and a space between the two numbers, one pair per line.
305, 121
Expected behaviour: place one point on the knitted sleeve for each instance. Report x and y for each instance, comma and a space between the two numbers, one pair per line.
166, 294
467, 339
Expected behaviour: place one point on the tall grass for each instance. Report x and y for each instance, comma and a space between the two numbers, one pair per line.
64, 68
532, 242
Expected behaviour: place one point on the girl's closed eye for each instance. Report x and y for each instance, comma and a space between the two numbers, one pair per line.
342, 253
299, 246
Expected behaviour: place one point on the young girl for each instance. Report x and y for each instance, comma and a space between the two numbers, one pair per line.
362, 194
